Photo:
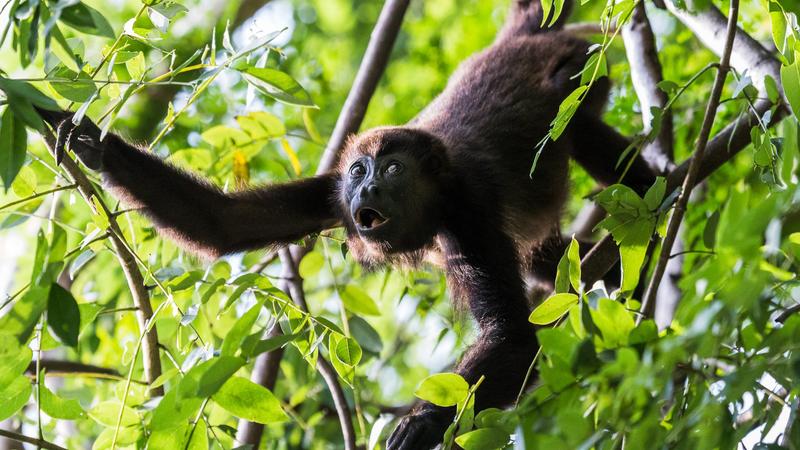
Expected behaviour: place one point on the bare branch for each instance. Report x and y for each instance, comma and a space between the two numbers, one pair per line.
646, 73
141, 298
41, 443
372, 66
587, 29
710, 26
369, 73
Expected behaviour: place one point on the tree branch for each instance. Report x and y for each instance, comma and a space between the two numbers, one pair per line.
646, 73
727, 143
373, 64
41, 443
141, 298
369, 73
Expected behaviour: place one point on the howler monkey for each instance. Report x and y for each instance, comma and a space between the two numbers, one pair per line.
452, 187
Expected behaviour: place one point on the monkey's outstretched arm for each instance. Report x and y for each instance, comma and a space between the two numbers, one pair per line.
198, 215
482, 269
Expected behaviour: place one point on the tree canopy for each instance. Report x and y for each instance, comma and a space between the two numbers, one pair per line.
112, 337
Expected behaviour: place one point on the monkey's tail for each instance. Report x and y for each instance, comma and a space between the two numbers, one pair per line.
527, 17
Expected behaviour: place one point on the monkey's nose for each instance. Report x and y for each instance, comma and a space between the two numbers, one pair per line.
372, 189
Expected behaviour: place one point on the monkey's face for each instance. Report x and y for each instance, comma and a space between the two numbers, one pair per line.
390, 201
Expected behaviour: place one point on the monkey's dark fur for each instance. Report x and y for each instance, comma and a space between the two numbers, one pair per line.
451, 187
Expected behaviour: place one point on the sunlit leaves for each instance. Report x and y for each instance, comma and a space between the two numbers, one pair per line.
14, 356
345, 354
57, 407
553, 308
443, 389
358, 301
108, 412
483, 439
250, 401
278, 85
23, 316
14, 396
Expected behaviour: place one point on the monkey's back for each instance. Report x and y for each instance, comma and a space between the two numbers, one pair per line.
496, 107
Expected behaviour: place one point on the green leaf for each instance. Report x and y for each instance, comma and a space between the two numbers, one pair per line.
655, 194
790, 77
247, 400
262, 125
63, 315
566, 110
223, 368
87, 19
185, 280
311, 264
22, 318
77, 91
22, 97
240, 330
483, 439
15, 358
268, 345
574, 257
57, 407
14, 396
278, 85
107, 413
553, 308
614, 322
345, 354
25, 183
443, 389
199, 437
13, 146
357, 301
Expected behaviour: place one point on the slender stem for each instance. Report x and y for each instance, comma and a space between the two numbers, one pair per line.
29, 440
37, 195
648, 305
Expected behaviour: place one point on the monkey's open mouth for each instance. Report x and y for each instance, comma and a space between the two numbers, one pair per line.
368, 218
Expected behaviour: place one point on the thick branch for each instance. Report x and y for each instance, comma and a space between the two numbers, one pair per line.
710, 26
646, 73
369, 73
141, 298
61, 366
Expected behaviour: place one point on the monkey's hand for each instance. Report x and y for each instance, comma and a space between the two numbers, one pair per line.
83, 139
421, 429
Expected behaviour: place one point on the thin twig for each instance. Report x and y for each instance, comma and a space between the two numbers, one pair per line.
41, 443
787, 313
649, 302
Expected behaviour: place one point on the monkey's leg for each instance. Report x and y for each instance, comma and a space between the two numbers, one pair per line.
198, 215
482, 269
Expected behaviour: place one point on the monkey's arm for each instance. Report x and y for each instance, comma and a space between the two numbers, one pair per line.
198, 215
482, 269
597, 147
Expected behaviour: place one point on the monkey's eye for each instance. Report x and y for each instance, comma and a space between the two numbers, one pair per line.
394, 168
358, 170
